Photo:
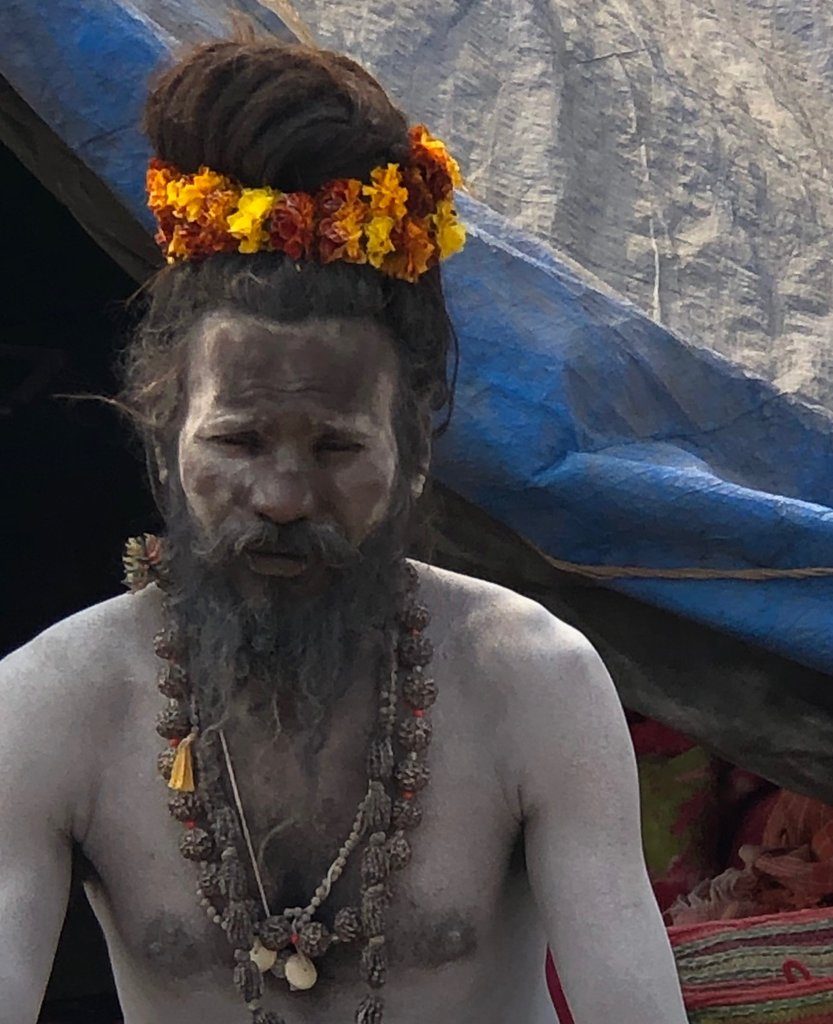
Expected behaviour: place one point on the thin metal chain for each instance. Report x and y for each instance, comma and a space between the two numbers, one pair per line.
334, 871
243, 823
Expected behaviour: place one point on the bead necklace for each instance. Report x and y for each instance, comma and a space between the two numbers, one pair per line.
198, 768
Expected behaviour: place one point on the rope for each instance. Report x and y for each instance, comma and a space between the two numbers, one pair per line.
639, 572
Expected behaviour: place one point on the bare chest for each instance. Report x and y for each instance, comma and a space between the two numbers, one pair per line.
449, 906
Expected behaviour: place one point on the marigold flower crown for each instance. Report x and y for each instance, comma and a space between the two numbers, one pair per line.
402, 223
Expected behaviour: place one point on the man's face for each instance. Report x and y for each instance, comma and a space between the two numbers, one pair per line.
292, 426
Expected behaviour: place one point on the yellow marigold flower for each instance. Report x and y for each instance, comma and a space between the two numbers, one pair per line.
352, 226
413, 253
387, 194
246, 223
193, 195
178, 245
207, 180
450, 233
172, 194
378, 239
190, 201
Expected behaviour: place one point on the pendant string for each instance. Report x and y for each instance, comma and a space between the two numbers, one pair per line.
243, 823
383, 817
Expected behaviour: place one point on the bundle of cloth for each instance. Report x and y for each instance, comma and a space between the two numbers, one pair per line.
743, 872
772, 969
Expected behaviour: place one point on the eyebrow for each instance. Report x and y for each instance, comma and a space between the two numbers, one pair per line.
223, 420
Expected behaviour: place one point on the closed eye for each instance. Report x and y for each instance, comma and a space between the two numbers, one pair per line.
337, 445
246, 440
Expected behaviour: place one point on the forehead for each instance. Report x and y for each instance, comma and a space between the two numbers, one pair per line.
237, 361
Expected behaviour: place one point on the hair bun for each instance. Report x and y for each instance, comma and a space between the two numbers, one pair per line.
269, 113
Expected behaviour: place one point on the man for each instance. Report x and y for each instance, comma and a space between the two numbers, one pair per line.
357, 830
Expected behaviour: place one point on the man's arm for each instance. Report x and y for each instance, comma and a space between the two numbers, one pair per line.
580, 806
38, 766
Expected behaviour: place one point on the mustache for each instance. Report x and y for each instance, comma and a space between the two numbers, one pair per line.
320, 542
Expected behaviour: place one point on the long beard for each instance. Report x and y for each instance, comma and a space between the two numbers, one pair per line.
269, 651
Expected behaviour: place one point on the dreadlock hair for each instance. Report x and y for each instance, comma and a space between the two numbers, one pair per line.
290, 117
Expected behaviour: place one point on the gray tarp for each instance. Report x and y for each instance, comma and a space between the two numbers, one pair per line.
679, 150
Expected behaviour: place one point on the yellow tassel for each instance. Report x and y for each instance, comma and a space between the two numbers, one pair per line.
182, 772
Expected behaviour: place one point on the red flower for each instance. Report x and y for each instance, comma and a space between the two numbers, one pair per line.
292, 224
438, 168
342, 216
335, 194
420, 197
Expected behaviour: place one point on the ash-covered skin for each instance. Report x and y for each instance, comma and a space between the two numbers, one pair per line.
419, 940
289, 422
288, 513
172, 947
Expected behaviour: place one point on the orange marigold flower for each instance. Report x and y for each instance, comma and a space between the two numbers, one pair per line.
414, 251
403, 222
426, 148
159, 174
190, 241
192, 193
341, 227
292, 224
217, 209
181, 242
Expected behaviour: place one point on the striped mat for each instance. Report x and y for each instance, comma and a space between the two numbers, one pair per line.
776, 969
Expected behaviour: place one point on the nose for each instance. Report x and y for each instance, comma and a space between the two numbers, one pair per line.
284, 497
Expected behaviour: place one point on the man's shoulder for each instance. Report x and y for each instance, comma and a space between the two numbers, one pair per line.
535, 685
85, 653
66, 697
501, 624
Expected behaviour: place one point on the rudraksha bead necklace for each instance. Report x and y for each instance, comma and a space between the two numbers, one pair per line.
199, 769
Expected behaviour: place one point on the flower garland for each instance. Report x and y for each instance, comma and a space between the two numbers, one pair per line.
402, 223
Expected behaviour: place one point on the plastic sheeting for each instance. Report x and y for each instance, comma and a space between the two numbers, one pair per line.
581, 423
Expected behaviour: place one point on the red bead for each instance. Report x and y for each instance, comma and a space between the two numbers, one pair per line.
294, 938
418, 712
174, 742
407, 794
190, 823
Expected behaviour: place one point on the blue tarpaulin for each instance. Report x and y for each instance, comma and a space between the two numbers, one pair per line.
581, 423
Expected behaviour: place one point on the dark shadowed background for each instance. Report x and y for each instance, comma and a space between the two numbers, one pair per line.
72, 490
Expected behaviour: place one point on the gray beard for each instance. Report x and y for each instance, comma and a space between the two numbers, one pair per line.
276, 653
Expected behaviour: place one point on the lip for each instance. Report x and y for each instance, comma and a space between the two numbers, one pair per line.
272, 563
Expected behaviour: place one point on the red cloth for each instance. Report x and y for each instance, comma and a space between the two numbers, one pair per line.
557, 992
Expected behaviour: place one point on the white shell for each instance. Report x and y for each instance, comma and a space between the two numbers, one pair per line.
300, 972
263, 957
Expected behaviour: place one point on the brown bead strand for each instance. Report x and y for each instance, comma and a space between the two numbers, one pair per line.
389, 851
213, 836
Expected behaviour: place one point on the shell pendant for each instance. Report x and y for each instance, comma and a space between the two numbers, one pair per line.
300, 972
261, 956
